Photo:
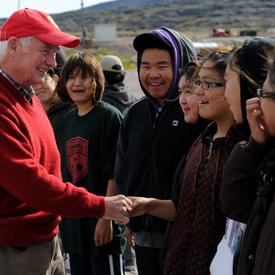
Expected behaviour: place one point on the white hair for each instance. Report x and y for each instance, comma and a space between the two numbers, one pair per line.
25, 41
3, 47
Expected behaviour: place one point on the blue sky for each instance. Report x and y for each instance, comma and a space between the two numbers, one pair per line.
49, 6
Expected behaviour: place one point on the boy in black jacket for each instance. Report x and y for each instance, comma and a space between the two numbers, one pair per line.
153, 136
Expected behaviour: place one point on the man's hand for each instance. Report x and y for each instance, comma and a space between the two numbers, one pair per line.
103, 232
117, 208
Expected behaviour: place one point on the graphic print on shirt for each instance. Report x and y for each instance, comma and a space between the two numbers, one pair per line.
77, 157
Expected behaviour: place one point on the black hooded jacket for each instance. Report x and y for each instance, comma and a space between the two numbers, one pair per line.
150, 148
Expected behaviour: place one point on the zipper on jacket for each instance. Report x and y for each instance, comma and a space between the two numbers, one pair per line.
210, 149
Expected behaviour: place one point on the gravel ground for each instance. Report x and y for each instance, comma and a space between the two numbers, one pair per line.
131, 80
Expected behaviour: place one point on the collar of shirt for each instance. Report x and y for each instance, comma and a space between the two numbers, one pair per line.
27, 92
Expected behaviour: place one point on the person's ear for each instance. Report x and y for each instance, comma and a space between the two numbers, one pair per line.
13, 43
94, 86
55, 78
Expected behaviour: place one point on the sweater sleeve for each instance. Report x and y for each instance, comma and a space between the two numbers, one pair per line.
239, 186
25, 181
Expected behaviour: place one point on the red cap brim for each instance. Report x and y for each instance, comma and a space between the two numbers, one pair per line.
59, 38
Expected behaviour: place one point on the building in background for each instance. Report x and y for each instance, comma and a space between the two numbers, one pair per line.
105, 32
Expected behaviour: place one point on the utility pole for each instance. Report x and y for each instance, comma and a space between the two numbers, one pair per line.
18, 4
83, 24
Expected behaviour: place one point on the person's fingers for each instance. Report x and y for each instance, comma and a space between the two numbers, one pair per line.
129, 203
124, 201
131, 241
117, 208
252, 104
252, 109
257, 114
96, 239
108, 238
252, 100
122, 219
101, 240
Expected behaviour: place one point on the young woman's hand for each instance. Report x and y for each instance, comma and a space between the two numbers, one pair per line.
256, 121
103, 232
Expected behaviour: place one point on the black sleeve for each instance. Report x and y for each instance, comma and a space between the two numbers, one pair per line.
177, 182
239, 182
120, 164
112, 132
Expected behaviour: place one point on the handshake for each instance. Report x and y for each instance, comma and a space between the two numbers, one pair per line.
121, 208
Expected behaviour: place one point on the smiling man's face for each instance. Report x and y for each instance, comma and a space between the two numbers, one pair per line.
156, 72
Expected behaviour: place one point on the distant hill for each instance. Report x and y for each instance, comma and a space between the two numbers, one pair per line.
133, 16
183, 15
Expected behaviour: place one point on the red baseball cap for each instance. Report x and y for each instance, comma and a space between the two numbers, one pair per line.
29, 22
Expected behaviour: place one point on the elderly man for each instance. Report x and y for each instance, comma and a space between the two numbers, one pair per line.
32, 194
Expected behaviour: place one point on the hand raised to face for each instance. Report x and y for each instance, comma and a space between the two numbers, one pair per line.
258, 128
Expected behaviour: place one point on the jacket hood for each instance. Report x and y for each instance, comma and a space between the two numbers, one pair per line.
179, 46
252, 63
59, 107
119, 96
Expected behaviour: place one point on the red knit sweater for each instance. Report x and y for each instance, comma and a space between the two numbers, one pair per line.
32, 194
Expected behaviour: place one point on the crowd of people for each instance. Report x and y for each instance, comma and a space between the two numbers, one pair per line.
185, 175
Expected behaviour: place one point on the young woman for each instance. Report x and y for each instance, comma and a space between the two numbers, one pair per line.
199, 221
245, 72
46, 90
248, 197
87, 141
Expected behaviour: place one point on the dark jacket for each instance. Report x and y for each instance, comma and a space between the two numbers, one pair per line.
152, 142
118, 96
148, 154
247, 196
199, 224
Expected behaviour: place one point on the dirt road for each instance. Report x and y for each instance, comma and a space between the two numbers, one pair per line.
131, 80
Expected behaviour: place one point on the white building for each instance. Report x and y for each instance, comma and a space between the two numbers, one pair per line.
105, 33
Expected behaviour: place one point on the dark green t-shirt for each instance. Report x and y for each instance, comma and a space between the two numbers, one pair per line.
87, 145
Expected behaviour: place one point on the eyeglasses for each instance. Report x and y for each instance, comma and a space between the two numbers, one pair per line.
207, 85
264, 94
187, 90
